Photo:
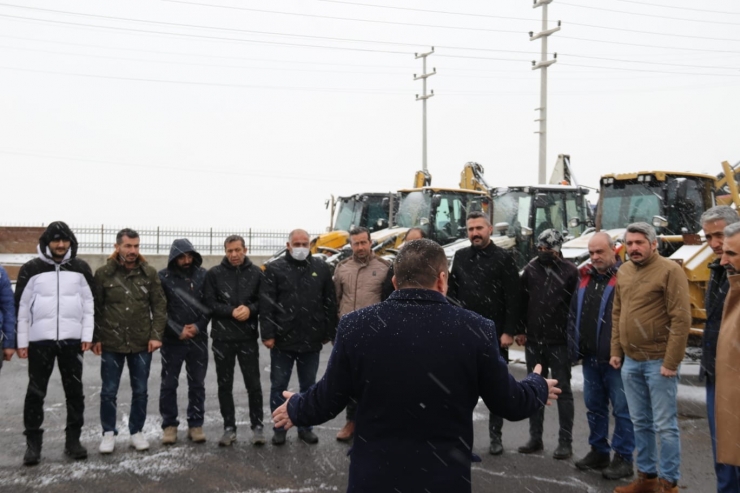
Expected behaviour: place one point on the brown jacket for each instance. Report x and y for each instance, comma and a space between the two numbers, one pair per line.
359, 285
727, 390
652, 312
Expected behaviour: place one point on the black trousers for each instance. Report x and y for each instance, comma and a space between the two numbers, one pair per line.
225, 354
553, 359
40, 366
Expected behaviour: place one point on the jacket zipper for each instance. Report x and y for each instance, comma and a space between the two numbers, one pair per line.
57, 267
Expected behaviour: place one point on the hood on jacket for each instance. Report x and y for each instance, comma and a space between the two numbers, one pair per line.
57, 230
179, 247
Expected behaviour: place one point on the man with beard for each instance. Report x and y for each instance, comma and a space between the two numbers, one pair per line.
714, 221
185, 340
55, 322
547, 285
359, 282
651, 320
232, 292
484, 279
130, 317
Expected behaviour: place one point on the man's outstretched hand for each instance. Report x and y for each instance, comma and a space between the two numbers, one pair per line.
552, 390
280, 416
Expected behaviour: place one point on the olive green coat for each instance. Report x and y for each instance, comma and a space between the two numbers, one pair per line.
130, 307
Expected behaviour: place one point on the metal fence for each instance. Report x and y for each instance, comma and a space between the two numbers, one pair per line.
100, 239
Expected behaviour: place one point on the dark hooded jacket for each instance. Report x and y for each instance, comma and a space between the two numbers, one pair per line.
299, 304
545, 300
714, 302
185, 292
59, 292
228, 287
486, 281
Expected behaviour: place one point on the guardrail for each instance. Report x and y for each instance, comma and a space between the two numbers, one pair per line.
157, 240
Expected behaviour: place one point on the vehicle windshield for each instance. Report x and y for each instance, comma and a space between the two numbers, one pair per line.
512, 208
349, 214
375, 212
413, 207
626, 202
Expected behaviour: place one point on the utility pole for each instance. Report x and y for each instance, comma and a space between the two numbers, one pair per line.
423, 98
542, 65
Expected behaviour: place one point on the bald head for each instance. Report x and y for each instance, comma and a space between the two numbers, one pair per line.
601, 252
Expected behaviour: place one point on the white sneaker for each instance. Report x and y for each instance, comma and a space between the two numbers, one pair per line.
108, 443
139, 441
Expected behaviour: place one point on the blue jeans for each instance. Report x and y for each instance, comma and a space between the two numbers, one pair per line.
281, 367
653, 406
728, 477
195, 356
111, 368
601, 384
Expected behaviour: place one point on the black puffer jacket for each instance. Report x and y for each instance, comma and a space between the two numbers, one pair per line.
299, 304
228, 287
185, 291
545, 301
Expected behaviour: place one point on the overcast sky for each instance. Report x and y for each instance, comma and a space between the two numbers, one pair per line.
252, 113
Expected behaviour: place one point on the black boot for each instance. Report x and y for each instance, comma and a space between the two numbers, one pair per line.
593, 460
531, 446
33, 449
73, 447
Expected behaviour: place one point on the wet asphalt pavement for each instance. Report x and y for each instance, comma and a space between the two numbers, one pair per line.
296, 466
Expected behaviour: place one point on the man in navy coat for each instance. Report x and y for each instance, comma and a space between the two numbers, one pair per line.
416, 366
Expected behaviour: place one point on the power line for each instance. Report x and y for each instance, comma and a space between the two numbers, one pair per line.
528, 19
647, 15
662, 47
651, 62
209, 170
653, 32
679, 8
653, 71
248, 31
217, 38
316, 16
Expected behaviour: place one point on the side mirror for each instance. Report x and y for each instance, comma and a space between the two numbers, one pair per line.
502, 228
436, 200
574, 222
659, 222
527, 231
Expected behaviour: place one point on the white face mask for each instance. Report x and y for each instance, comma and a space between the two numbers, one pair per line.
299, 253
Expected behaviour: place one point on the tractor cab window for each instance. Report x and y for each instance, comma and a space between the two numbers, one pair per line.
349, 215
576, 206
549, 212
449, 219
375, 213
414, 207
685, 200
626, 202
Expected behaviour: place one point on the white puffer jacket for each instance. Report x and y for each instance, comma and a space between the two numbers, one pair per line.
55, 305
